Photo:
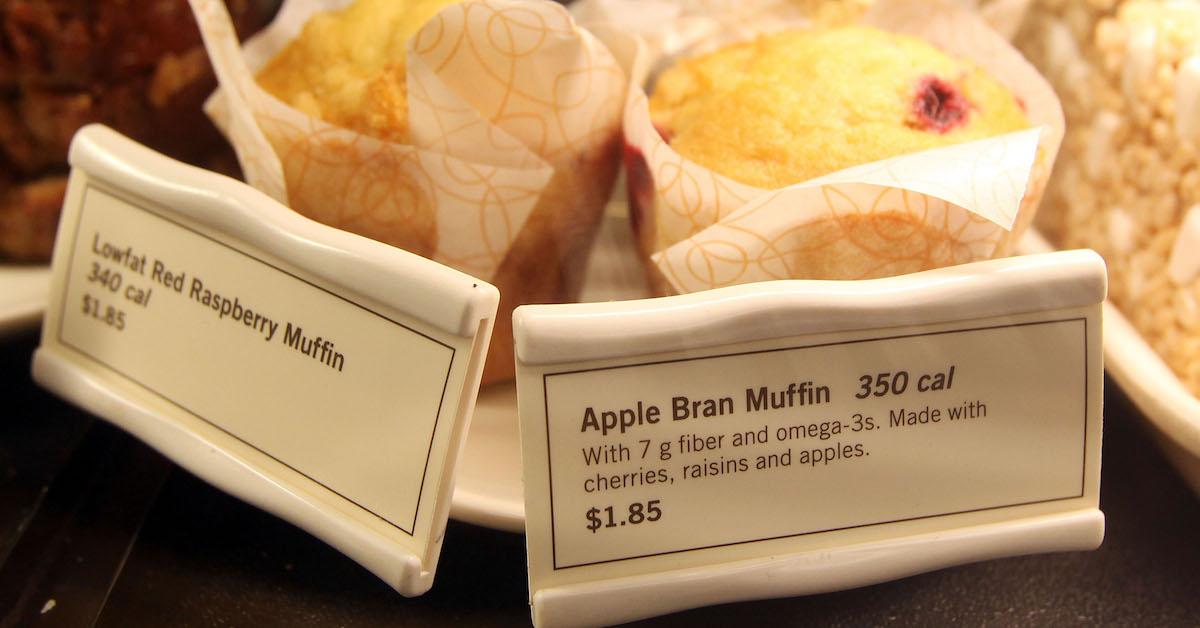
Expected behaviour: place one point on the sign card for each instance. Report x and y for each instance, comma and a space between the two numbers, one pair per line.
748, 440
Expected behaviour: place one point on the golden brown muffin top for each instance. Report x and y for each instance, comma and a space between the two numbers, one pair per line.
796, 105
348, 67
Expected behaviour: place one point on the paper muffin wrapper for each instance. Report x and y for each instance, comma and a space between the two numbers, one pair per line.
514, 115
951, 205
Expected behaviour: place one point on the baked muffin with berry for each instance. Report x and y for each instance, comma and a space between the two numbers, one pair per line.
907, 142
795, 105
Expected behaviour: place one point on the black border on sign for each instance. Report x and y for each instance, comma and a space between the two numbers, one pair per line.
138, 204
550, 473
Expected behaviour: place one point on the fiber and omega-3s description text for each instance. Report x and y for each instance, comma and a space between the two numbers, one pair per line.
711, 451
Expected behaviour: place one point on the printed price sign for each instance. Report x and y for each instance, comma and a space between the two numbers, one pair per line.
333, 375
724, 436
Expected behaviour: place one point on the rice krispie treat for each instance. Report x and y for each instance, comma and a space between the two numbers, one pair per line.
1128, 184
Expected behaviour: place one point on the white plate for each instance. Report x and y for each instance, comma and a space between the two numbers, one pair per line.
1156, 391
1168, 406
23, 291
489, 491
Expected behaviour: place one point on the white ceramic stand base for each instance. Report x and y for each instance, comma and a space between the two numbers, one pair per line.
813, 572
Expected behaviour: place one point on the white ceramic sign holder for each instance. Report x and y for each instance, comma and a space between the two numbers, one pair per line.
324, 377
602, 547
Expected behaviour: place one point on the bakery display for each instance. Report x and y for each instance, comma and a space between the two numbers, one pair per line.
1128, 185
792, 106
136, 66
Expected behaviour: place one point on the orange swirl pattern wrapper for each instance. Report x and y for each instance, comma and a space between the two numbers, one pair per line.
961, 203
514, 113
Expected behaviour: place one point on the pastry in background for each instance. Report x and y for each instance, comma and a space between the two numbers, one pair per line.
137, 66
1128, 181
348, 68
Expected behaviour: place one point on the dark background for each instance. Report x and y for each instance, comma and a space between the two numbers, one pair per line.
98, 529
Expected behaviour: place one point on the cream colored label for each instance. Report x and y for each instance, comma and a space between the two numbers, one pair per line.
347, 396
791, 439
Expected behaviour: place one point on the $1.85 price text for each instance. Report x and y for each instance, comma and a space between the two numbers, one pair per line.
636, 513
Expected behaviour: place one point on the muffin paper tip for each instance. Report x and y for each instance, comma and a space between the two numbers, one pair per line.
965, 202
502, 95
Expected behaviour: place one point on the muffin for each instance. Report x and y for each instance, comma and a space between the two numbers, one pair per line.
796, 105
137, 66
1128, 185
915, 139
348, 68
411, 123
